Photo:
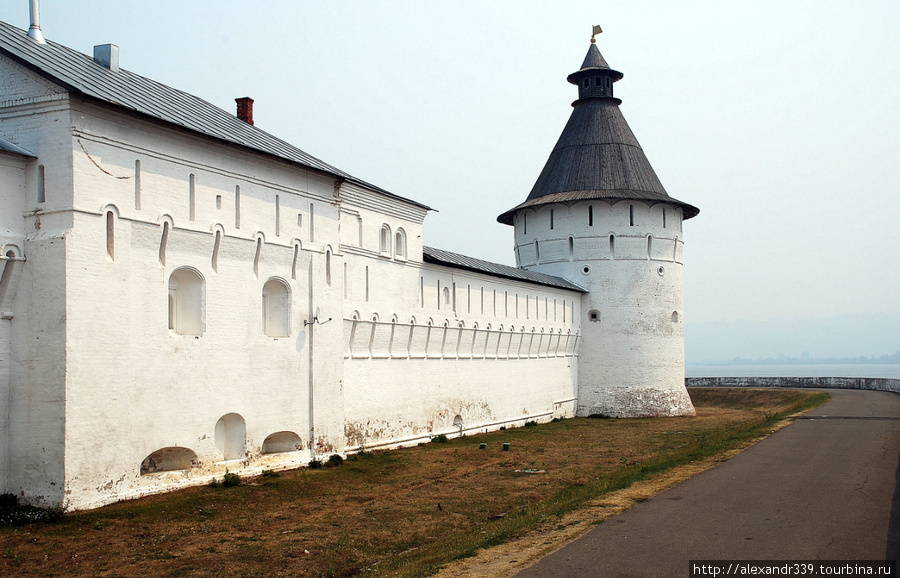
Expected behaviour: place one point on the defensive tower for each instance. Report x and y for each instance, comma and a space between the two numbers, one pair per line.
599, 217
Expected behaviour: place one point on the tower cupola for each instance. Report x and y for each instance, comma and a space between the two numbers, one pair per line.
595, 78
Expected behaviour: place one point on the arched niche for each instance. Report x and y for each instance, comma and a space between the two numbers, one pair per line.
282, 441
168, 459
231, 436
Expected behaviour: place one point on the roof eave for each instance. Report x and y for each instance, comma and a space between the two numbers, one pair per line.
570, 197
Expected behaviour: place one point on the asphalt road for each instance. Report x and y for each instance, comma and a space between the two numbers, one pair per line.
823, 488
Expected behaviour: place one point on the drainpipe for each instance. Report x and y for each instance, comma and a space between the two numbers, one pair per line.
310, 325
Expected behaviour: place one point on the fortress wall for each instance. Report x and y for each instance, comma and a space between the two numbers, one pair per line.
437, 347
868, 383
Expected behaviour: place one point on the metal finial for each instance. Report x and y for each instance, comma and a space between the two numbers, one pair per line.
597, 30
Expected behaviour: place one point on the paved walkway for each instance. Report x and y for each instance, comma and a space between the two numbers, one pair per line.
823, 488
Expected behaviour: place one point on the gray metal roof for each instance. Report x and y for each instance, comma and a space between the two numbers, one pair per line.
455, 260
597, 157
79, 73
14, 148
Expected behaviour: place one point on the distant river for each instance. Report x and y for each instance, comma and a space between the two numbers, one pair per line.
817, 370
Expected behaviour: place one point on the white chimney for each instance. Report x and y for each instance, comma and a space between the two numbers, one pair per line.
34, 31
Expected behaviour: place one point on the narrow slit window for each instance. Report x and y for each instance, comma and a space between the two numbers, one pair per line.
256, 257
367, 283
524, 224
612, 246
294, 260
312, 222
110, 235
631, 215
590, 215
137, 185
215, 253
237, 206
328, 272
551, 218
41, 185
192, 200
571, 248
164, 239
664, 218
277, 215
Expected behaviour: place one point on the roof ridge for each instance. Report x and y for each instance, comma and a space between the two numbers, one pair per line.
78, 72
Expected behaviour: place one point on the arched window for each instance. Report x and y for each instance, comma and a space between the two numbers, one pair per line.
186, 302
400, 244
385, 243
446, 296
571, 248
276, 308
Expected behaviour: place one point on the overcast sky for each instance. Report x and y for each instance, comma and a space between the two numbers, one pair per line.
778, 119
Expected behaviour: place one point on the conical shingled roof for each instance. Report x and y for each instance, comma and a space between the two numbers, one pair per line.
597, 155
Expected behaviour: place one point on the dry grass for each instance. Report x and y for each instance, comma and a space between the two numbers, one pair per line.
404, 512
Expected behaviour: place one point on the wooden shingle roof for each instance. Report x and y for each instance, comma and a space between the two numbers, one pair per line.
597, 157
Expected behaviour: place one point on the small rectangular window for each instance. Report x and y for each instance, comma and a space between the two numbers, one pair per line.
218, 201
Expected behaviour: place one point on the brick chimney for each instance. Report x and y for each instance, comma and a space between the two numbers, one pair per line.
245, 109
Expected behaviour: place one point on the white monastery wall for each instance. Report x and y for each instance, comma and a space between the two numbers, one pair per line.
244, 369
458, 352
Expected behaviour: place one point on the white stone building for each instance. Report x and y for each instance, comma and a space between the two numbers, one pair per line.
182, 293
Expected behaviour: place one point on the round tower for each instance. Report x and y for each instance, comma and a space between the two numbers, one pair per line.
599, 217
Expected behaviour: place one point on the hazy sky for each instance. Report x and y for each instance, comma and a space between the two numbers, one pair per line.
779, 120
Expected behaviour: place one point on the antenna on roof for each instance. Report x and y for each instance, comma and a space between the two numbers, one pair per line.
34, 31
